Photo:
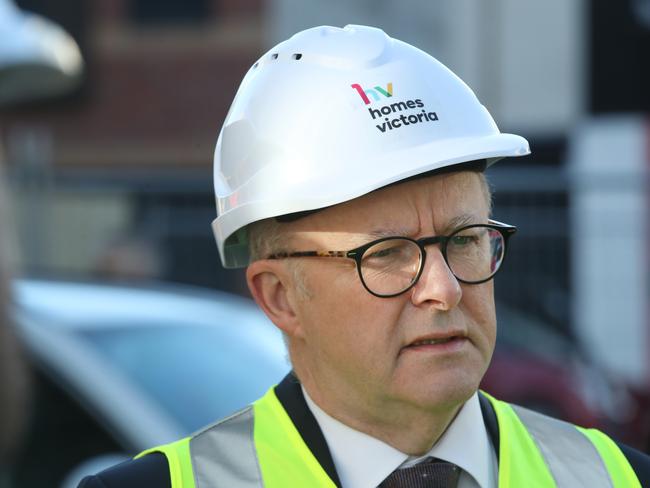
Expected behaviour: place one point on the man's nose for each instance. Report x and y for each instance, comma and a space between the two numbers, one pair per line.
437, 285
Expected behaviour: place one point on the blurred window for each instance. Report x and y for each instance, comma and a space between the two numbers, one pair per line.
196, 374
168, 11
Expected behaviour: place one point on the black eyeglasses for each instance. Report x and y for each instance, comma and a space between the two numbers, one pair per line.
391, 266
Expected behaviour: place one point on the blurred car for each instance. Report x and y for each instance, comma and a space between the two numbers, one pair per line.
118, 369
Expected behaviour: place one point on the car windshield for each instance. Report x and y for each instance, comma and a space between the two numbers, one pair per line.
196, 374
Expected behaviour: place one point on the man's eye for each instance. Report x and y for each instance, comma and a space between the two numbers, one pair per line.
384, 253
463, 240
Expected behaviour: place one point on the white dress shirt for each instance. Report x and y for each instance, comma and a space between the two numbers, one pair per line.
362, 461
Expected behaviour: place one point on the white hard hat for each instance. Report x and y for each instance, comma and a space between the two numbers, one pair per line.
332, 114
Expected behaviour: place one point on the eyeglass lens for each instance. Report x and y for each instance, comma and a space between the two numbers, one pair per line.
391, 266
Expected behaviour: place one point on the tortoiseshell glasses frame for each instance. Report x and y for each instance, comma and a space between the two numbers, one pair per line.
402, 259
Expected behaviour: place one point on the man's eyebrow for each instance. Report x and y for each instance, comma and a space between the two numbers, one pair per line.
379, 233
460, 221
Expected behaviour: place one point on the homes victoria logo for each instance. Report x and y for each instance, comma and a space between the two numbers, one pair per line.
395, 115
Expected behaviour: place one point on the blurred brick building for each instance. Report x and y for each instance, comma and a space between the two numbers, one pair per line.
127, 157
160, 78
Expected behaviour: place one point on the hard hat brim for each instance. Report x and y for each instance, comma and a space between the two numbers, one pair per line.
412, 161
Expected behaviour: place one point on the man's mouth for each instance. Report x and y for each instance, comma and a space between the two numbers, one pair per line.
425, 342
438, 341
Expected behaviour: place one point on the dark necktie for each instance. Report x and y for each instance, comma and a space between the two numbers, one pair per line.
430, 473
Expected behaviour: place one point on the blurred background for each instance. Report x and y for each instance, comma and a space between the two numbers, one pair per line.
111, 185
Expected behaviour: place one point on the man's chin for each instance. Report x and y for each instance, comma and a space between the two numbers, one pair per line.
439, 396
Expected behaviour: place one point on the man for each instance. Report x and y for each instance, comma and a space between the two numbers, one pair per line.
349, 181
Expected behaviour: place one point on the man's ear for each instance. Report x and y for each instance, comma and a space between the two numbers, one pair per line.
269, 282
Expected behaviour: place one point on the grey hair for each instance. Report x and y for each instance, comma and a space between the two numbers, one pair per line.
267, 237
486, 186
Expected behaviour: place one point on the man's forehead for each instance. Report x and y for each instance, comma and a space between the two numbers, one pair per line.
436, 191
471, 167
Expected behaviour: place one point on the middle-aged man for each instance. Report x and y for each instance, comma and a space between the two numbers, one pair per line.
349, 180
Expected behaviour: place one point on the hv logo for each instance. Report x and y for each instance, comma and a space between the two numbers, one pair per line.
373, 92
401, 113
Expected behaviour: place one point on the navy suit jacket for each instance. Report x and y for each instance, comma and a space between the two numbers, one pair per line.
152, 470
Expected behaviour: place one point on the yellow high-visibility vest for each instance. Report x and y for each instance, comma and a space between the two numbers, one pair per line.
259, 446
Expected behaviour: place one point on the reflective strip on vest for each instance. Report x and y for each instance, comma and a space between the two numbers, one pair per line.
617, 464
570, 456
260, 447
532, 443
257, 443
285, 459
236, 464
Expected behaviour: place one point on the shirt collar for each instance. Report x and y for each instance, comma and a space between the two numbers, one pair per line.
363, 461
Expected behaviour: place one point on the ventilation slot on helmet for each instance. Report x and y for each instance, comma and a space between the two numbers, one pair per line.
256, 65
297, 56
274, 56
